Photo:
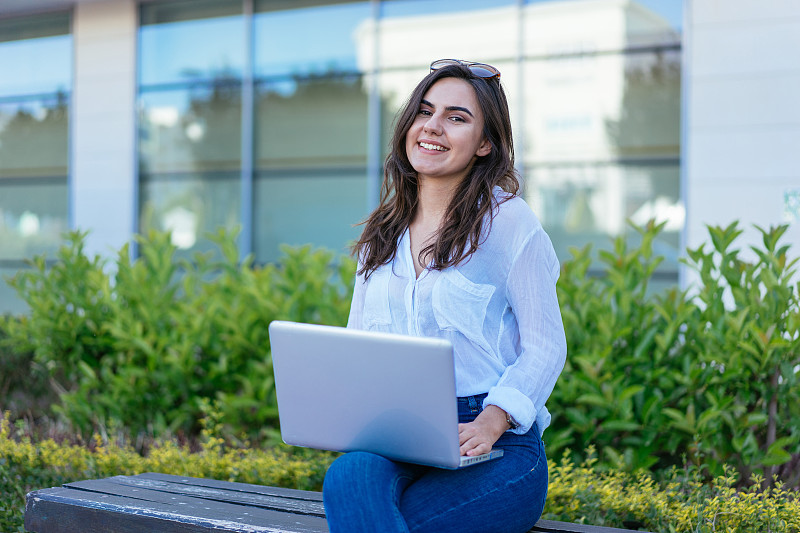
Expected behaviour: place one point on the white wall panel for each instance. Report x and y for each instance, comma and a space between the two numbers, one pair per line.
719, 205
748, 11
103, 180
746, 49
746, 102
748, 153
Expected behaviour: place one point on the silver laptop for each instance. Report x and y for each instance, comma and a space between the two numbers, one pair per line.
347, 390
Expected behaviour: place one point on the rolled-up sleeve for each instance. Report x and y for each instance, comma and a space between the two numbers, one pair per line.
525, 385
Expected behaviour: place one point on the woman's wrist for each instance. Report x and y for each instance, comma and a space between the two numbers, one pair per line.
498, 418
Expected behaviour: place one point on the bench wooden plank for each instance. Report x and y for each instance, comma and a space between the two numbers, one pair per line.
180, 504
552, 526
275, 502
234, 485
134, 509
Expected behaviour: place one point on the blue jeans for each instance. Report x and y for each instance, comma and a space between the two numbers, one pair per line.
365, 492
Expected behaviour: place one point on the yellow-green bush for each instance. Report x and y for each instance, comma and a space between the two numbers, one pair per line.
681, 503
27, 465
578, 493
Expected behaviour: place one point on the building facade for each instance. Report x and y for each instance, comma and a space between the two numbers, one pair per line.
121, 116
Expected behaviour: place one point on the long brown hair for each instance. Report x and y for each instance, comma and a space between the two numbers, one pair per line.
462, 228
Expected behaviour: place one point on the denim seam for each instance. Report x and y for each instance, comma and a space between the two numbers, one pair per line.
396, 498
511, 482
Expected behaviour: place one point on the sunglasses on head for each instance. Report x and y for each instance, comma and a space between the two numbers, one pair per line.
482, 70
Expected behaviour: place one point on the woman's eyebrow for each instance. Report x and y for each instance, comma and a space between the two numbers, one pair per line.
450, 108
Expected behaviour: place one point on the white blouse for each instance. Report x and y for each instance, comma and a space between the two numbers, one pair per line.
499, 309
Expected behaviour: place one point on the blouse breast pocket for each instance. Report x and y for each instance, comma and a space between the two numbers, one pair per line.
460, 305
377, 314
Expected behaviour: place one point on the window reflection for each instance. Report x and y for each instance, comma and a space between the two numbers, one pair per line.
648, 122
35, 55
310, 133
190, 41
33, 215
402, 8
190, 152
190, 205
307, 206
33, 138
311, 179
36, 63
311, 122
602, 128
589, 203
192, 56
191, 130
310, 38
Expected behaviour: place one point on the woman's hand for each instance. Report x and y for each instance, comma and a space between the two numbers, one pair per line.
478, 437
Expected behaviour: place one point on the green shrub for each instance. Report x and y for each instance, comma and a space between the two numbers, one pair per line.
709, 375
743, 400
24, 387
623, 365
651, 379
151, 347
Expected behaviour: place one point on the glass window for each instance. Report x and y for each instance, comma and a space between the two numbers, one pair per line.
35, 55
312, 123
191, 40
602, 145
588, 203
190, 205
402, 8
485, 31
33, 216
33, 137
192, 61
586, 83
310, 131
648, 121
193, 129
309, 37
304, 206
36, 62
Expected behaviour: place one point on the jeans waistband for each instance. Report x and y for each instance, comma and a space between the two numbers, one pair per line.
472, 403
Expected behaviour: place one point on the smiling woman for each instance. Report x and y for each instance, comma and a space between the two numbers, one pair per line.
453, 252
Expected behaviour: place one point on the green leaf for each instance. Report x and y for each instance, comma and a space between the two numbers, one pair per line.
629, 392
620, 425
777, 456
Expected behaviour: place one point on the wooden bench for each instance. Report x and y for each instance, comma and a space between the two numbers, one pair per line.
164, 503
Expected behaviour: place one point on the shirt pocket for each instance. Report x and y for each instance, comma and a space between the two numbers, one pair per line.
460, 305
377, 313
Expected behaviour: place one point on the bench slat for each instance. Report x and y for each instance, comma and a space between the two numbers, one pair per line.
181, 504
551, 526
278, 503
234, 485
132, 509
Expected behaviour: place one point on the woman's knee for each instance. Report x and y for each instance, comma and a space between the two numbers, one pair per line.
351, 468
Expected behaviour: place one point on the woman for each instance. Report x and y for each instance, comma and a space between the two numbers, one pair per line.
453, 252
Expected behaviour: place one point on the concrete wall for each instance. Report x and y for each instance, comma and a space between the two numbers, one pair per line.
103, 156
742, 117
